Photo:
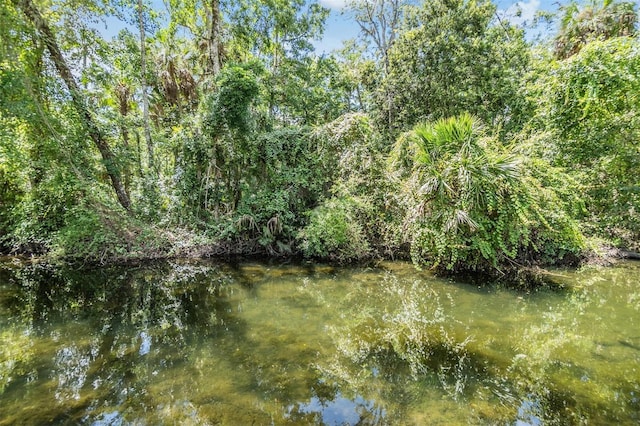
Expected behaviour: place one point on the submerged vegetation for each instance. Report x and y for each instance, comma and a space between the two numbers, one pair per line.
204, 342
214, 128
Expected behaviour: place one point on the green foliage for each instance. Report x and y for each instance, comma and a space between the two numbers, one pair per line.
334, 233
282, 176
470, 206
83, 235
286, 180
255, 142
279, 35
593, 104
64, 221
451, 58
309, 91
95, 232
12, 178
229, 107
39, 214
594, 101
276, 28
593, 21
10, 194
359, 163
360, 220
215, 157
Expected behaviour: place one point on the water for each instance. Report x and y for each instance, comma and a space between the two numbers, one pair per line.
210, 343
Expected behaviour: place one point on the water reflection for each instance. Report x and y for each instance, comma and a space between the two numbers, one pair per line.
200, 343
529, 413
337, 411
71, 368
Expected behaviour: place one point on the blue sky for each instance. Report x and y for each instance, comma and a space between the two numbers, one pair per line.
339, 27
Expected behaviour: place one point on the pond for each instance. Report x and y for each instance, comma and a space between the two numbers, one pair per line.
185, 342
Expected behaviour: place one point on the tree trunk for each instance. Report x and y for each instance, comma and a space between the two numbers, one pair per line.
214, 64
108, 158
143, 82
123, 93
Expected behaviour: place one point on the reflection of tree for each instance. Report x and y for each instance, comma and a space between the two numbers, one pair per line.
15, 354
107, 335
180, 342
388, 356
573, 363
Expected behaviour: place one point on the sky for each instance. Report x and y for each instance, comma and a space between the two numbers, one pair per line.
340, 27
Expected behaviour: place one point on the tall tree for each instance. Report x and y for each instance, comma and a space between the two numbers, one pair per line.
213, 40
581, 24
143, 82
123, 95
379, 21
45, 33
451, 58
591, 105
204, 20
279, 34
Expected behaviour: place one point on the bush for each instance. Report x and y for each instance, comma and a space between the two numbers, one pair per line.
84, 235
334, 233
98, 232
590, 104
358, 166
470, 205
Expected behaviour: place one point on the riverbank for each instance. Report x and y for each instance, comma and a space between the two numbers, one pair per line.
137, 246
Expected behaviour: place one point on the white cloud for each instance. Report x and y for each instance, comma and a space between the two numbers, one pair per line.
521, 12
334, 4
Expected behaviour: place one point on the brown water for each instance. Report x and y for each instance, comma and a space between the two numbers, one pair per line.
209, 343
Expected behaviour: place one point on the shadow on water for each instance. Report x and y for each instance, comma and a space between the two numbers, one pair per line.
201, 343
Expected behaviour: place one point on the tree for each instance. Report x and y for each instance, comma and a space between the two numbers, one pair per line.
278, 34
450, 58
214, 63
47, 37
591, 105
204, 20
379, 21
357, 75
214, 163
143, 81
581, 24
471, 206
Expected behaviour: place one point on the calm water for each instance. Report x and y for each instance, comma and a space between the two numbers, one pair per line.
208, 343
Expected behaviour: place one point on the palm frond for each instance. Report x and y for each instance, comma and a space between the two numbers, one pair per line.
459, 218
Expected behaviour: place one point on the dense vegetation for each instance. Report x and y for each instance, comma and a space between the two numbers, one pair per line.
214, 128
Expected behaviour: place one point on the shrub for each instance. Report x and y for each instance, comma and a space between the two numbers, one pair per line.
334, 233
470, 207
591, 105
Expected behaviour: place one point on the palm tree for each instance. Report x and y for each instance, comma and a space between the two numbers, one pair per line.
176, 84
461, 184
456, 167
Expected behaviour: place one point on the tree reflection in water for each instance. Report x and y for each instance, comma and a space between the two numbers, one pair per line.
199, 343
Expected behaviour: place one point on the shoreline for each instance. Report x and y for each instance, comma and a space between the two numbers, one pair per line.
602, 256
